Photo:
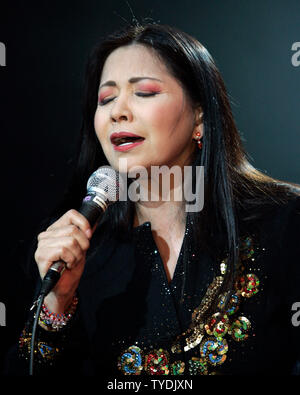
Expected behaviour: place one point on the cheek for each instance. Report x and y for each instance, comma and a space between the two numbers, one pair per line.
99, 126
163, 116
154, 117
170, 121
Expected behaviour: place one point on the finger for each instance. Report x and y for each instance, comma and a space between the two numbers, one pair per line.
69, 242
71, 231
46, 257
73, 217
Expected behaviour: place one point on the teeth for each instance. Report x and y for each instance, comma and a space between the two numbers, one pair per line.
126, 140
122, 140
125, 144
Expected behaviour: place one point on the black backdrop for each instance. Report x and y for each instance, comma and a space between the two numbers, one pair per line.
40, 89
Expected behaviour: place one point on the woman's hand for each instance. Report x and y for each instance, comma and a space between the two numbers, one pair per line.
66, 240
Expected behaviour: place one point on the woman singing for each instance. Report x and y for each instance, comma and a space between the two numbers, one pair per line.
154, 288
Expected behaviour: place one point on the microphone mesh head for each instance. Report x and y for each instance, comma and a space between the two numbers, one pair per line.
107, 183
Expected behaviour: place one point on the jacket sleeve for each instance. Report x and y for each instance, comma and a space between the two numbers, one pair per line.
58, 353
65, 351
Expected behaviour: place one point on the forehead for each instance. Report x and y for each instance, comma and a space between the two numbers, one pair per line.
133, 60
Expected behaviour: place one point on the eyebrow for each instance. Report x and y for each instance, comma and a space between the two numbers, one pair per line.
131, 80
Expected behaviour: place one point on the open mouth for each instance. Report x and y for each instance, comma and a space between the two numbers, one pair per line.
123, 141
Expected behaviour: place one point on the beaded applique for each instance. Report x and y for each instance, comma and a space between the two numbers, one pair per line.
44, 351
208, 336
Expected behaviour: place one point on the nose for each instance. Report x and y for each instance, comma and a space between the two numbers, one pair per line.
120, 110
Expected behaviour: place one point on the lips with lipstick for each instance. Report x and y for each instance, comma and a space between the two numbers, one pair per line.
123, 141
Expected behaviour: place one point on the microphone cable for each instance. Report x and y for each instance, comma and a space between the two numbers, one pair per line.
103, 188
39, 304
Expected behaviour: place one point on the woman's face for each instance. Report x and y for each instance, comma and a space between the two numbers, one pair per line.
138, 95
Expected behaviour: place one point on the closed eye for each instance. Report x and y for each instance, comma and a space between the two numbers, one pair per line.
140, 94
105, 101
144, 94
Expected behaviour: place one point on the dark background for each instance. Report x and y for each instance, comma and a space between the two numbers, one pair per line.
40, 92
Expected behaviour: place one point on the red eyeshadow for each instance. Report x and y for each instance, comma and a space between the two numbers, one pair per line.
103, 94
148, 86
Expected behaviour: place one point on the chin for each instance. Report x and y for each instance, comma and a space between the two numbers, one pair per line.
125, 165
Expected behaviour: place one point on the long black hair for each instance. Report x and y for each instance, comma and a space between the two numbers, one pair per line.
236, 193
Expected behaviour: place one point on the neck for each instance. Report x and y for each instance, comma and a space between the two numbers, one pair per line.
162, 215
161, 204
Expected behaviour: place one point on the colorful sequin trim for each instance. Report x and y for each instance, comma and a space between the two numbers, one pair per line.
210, 335
44, 352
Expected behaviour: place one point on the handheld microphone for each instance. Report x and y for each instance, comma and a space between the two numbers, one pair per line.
103, 188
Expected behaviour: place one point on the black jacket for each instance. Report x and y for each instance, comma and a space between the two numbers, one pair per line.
125, 300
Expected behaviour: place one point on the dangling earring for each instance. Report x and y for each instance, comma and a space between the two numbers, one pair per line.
198, 138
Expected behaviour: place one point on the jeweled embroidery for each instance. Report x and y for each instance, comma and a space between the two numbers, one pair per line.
45, 351
130, 362
210, 336
157, 362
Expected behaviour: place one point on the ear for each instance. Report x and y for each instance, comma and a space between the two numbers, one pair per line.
198, 122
